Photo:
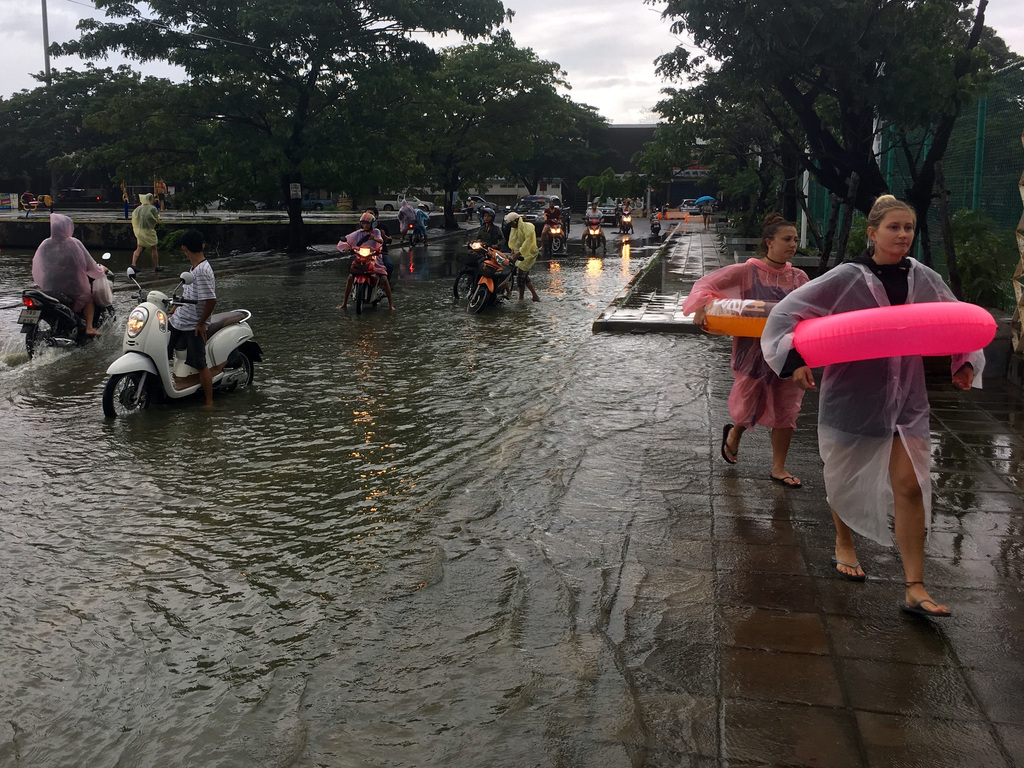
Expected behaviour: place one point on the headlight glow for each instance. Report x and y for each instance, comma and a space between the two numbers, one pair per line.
136, 321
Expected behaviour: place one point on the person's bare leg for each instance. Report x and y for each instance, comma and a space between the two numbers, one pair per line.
387, 292
154, 254
846, 552
348, 290
781, 439
89, 310
909, 519
206, 379
135, 255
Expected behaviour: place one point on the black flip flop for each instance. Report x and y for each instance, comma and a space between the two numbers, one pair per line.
917, 610
782, 481
849, 576
725, 438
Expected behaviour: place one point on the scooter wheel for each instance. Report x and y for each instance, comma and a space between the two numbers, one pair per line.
241, 367
125, 394
478, 299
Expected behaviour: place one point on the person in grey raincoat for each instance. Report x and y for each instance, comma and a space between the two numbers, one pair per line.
873, 415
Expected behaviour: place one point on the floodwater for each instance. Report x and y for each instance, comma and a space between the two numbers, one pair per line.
401, 546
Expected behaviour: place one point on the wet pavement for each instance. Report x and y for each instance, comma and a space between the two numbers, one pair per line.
544, 561
769, 656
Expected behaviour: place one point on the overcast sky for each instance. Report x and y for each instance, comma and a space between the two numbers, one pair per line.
607, 47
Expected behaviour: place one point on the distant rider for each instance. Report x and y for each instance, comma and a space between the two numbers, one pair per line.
63, 265
552, 217
188, 321
369, 236
522, 241
406, 219
422, 220
591, 218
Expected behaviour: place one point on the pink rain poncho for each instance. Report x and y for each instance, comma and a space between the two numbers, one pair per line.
758, 395
360, 237
63, 265
406, 216
864, 404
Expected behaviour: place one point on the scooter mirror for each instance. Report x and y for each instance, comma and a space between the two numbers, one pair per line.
187, 278
105, 256
131, 272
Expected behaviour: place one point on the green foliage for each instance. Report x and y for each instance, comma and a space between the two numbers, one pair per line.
986, 258
484, 110
827, 74
606, 184
272, 81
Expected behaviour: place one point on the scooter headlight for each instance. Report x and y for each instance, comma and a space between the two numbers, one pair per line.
137, 321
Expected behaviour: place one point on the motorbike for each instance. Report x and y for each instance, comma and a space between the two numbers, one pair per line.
594, 236
626, 224
47, 320
555, 241
366, 285
148, 372
495, 275
415, 236
655, 226
466, 280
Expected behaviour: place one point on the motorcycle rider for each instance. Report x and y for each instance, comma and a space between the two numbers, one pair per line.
422, 219
591, 218
490, 233
385, 241
188, 321
62, 264
406, 218
522, 241
552, 217
353, 241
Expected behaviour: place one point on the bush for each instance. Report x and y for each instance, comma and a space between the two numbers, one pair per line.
986, 258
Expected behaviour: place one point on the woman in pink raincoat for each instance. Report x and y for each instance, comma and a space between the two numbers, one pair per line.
758, 395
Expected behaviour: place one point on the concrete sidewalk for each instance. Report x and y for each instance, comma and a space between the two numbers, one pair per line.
788, 663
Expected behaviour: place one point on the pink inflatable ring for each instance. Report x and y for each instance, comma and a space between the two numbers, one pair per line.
929, 328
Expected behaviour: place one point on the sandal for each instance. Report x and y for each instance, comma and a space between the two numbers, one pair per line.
917, 608
725, 446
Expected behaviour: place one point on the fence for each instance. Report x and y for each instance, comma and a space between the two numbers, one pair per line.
982, 164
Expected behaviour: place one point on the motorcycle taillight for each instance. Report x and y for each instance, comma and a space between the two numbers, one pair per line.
27, 301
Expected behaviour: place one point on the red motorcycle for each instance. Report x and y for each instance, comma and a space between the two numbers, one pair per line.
365, 281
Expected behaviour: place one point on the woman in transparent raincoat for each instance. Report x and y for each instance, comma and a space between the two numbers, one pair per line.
758, 395
873, 431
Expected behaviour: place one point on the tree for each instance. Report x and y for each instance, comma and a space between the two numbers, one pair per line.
272, 75
843, 71
485, 109
49, 127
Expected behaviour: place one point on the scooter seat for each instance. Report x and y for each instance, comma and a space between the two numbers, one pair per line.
223, 320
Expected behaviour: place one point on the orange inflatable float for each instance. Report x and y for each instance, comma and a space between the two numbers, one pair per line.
737, 317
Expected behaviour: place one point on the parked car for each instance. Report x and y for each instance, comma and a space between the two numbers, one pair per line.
531, 208
479, 201
607, 209
78, 196
394, 203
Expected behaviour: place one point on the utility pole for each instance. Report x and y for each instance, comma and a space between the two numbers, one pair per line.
46, 46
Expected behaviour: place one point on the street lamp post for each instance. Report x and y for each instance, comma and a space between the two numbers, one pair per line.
46, 46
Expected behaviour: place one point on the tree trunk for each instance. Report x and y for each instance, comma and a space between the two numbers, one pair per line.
946, 224
296, 234
811, 226
844, 230
830, 233
449, 208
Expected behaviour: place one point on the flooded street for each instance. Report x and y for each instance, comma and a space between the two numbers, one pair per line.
430, 538
403, 545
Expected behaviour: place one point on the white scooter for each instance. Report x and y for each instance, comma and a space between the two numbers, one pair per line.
147, 373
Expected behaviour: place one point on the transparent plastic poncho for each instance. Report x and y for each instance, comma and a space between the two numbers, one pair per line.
61, 263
